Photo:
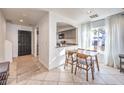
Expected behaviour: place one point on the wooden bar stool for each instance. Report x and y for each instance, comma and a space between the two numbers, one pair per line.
95, 58
87, 63
70, 59
4, 72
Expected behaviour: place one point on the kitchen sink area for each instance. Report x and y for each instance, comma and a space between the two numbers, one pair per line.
66, 35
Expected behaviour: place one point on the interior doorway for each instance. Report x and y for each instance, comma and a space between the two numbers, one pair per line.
24, 42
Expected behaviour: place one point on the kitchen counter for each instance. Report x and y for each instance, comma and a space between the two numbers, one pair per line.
67, 45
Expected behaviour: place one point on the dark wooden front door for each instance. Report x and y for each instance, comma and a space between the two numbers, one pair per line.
24, 43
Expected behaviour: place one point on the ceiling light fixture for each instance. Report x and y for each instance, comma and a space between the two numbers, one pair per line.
21, 20
94, 16
89, 11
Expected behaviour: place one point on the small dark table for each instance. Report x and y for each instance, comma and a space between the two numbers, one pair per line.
121, 56
4, 72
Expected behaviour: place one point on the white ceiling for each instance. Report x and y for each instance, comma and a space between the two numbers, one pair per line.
31, 16
63, 25
81, 15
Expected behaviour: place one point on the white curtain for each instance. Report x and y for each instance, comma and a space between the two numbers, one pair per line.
114, 40
85, 30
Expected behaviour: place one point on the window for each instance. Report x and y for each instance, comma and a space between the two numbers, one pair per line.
93, 35
97, 38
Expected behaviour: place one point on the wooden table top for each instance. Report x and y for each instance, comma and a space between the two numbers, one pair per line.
87, 52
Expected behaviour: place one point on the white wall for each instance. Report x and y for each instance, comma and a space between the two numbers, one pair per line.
12, 35
35, 41
2, 36
49, 55
56, 55
8, 51
44, 40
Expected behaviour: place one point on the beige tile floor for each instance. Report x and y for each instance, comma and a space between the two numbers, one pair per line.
27, 70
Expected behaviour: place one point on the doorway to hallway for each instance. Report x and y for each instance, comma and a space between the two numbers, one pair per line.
24, 42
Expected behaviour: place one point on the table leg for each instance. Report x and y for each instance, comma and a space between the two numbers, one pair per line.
92, 68
97, 64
